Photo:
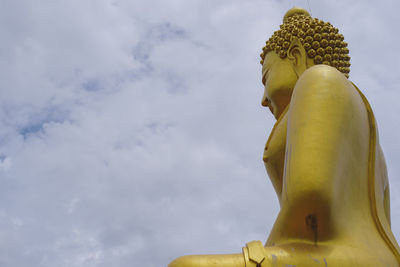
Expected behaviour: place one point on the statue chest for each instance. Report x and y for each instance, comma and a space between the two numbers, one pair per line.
274, 153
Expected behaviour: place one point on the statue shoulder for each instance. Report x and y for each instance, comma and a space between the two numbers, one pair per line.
327, 84
323, 74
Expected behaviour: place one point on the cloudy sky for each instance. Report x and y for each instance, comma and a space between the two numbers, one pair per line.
131, 132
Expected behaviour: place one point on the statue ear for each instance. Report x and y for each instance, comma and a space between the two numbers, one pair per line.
297, 56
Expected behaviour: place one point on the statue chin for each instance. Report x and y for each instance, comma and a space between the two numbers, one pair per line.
323, 158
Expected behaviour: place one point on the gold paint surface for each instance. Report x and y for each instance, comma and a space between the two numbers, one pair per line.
324, 160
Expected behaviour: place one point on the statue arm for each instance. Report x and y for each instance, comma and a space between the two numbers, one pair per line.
327, 134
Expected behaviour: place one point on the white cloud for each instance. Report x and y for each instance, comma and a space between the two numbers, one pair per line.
131, 131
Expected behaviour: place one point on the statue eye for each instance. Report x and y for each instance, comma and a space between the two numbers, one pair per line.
264, 78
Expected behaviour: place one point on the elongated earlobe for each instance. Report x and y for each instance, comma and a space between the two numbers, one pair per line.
298, 57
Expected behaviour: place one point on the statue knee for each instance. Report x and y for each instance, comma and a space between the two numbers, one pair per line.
220, 260
185, 261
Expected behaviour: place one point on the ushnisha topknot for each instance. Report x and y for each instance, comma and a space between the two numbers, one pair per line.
320, 39
295, 11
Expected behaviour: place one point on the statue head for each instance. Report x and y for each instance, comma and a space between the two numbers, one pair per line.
301, 42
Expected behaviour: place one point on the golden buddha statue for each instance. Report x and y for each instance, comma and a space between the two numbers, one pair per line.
322, 156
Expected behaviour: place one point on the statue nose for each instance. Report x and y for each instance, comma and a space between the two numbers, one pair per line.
265, 101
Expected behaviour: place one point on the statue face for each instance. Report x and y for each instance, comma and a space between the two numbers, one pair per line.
279, 78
